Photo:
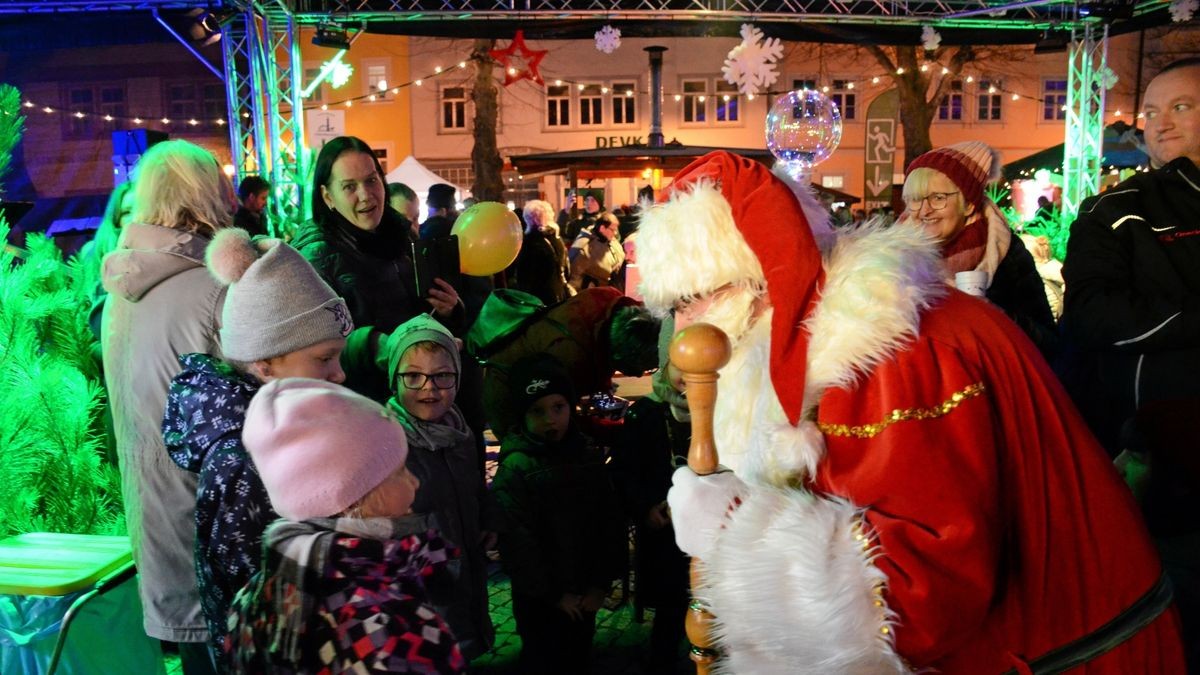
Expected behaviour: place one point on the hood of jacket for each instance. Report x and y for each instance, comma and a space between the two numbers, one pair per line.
206, 409
149, 255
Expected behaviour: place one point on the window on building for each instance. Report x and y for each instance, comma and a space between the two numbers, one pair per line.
212, 104
1054, 100
591, 105
836, 181
454, 109
182, 101
991, 98
950, 109
802, 83
195, 106
80, 100
376, 73
624, 103
845, 98
728, 101
695, 99
558, 106
310, 74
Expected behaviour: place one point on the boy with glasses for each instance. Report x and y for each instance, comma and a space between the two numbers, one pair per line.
423, 369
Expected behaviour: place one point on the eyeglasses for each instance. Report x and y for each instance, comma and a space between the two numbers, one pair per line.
415, 380
937, 201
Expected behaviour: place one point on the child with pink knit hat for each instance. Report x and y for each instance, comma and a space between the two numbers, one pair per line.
278, 319
341, 588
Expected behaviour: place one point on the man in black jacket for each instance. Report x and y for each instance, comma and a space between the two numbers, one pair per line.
1133, 303
1133, 260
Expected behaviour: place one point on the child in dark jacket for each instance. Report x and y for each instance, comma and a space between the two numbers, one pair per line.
341, 589
279, 320
563, 538
424, 368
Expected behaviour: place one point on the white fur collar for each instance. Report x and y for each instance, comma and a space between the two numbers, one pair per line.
877, 282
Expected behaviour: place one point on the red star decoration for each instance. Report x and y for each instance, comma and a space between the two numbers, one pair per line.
519, 61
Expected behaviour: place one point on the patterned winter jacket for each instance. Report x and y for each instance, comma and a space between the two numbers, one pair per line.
202, 427
343, 596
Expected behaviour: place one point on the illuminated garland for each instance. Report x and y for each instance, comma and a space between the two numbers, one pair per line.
851, 86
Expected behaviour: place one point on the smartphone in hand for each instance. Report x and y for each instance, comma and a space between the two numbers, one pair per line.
435, 259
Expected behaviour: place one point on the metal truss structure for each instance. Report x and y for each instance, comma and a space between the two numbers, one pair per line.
263, 71
266, 114
1086, 90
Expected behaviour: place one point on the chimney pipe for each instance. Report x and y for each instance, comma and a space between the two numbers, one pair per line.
655, 139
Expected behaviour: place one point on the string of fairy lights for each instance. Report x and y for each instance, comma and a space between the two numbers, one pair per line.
995, 87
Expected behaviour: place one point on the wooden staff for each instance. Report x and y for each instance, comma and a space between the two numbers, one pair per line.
698, 352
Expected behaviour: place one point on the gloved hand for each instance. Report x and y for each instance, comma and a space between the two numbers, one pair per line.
701, 505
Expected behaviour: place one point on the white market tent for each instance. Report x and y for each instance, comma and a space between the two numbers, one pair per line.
414, 174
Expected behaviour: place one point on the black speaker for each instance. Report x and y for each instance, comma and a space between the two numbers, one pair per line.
128, 147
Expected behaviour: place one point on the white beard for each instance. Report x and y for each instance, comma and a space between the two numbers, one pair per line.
752, 433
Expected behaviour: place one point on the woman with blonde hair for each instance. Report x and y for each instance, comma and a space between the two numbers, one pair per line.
162, 303
944, 196
541, 265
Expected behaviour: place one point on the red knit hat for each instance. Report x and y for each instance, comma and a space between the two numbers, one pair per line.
769, 218
969, 165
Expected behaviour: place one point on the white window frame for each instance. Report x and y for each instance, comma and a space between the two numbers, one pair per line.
697, 100
591, 95
311, 70
1059, 115
618, 98
369, 80
558, 99
996, 102
442, 100
721, 89
837, 181
840, 94
946, 103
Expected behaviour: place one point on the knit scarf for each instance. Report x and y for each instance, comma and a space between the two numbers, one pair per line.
298, 558
448, 432
965, 250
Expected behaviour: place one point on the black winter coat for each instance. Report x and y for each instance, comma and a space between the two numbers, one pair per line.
562, 529
1017, 289
541, 267
372, 271
1133, 291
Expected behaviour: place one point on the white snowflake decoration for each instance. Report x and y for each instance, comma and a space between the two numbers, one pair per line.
608, 39
751, 65
1183, 10
930, 38
1107, 78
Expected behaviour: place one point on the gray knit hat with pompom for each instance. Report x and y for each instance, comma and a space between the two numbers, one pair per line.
277, 303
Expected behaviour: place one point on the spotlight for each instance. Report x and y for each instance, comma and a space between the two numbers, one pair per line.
331, 35
1051, 42
205, 27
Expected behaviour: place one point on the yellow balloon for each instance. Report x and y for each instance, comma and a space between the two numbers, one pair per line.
489, 238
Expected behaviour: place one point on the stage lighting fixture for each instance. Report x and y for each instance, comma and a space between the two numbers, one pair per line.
1107, 9
205, 28
331, 35
1052, 41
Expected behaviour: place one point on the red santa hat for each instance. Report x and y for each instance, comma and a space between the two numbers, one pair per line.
698, 247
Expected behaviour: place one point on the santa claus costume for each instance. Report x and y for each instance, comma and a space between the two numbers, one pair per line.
916, 491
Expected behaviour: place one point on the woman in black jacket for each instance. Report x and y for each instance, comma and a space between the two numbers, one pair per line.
361, 246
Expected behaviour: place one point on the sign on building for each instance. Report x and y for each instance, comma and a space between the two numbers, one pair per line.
324, 126
880, 150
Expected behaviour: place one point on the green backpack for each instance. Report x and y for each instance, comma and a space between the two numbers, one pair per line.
504, 316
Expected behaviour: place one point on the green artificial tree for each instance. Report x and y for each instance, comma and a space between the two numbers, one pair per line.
53, 473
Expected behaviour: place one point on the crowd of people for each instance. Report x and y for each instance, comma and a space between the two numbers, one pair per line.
300, 432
